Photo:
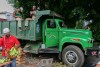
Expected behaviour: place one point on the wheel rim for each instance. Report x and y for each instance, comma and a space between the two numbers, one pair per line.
71, 57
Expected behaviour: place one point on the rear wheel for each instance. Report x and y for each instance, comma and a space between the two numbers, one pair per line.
73, 55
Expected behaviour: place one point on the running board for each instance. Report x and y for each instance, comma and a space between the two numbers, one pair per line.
49, 50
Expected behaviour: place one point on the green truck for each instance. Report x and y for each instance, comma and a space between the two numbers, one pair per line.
48, 34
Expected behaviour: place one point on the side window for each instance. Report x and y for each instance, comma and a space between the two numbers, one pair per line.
51, 24
61, 24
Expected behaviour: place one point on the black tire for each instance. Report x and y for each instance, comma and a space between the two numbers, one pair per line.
73, 52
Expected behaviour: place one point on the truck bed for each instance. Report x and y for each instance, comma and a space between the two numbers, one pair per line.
33, 33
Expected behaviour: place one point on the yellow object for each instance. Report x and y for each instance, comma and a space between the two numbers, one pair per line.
2, 60
14, 52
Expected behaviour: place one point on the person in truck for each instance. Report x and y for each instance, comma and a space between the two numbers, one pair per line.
7, 42
51, 23
32, 17
18, 17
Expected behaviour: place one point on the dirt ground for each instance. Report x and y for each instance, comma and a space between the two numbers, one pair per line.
32, 60
35, 60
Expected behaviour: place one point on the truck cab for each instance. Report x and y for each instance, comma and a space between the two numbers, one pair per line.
56, 33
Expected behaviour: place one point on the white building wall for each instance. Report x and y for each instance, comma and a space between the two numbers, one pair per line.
7, 10
5, 7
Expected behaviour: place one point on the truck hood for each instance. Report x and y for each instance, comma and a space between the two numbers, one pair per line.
77, 32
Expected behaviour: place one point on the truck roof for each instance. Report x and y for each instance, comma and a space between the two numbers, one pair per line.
48, 12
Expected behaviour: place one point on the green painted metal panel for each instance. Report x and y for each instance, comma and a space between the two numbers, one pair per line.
20, 33
13, 26
26, 31
32, 48
45, 12
52, 38
38, 30
5, 25
32, 33
52, 35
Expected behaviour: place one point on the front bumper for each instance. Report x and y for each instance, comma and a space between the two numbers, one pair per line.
94, 51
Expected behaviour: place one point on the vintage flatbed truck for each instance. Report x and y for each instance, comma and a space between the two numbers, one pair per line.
44, 36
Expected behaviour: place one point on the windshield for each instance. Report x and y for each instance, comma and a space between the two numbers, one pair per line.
61, 24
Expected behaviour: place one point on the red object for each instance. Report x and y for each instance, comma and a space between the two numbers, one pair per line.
94, 53
1, 19
8, 43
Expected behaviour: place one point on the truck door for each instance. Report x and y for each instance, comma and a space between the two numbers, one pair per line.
51, 33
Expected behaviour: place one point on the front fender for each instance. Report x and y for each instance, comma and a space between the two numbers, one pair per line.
83, 42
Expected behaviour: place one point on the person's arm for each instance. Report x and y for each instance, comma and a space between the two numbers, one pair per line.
32, 13
17, 43
1, 42
14, 13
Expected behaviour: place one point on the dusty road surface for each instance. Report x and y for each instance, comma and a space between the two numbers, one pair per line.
32, 60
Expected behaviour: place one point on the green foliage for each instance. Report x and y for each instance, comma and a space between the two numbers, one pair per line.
79, 12
79, 24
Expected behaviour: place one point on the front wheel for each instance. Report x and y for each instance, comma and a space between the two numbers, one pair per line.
73, 55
